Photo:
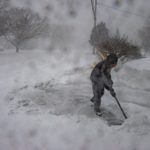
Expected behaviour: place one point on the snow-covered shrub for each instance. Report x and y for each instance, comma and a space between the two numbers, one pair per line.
99, 34
116, 43
122, 47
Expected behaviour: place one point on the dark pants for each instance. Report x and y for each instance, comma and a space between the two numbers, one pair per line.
98, 91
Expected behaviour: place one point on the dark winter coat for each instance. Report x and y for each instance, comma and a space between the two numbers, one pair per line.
101, 76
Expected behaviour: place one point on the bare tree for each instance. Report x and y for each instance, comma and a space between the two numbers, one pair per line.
3, 22
22, 25
4, 5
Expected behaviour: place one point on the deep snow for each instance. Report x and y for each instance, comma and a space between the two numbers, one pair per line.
45, 103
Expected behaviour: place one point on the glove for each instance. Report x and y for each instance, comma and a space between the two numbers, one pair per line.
112, 92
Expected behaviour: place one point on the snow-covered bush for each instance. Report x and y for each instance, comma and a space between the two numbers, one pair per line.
99, 34
122, 47
101, 39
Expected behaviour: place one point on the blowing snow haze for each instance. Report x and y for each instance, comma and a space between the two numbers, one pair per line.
46, 89
71, 21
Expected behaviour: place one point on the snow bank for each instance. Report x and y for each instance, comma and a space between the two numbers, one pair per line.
132, 82
136, 74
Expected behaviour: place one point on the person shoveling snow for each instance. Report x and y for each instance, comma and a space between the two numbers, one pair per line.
101, 79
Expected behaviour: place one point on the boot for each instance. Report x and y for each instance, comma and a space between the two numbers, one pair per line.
97, 107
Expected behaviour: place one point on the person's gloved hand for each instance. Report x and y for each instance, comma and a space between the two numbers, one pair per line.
112, 92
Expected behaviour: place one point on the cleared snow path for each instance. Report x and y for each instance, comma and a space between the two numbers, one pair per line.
47, 105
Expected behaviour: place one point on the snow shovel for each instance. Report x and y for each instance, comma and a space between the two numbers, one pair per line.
115, 121
125, 116
112, 120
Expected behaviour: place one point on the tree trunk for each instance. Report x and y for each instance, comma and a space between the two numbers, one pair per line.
17, 49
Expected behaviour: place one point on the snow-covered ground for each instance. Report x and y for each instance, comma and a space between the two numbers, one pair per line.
45, 103
45, 97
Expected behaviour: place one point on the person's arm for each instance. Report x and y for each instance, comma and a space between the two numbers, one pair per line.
108, 83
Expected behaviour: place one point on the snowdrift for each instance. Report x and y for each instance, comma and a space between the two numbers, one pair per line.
133, 82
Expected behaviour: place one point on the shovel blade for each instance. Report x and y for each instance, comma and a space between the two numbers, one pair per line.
114, 122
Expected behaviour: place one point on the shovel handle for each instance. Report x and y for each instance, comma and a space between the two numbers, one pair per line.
125, 116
